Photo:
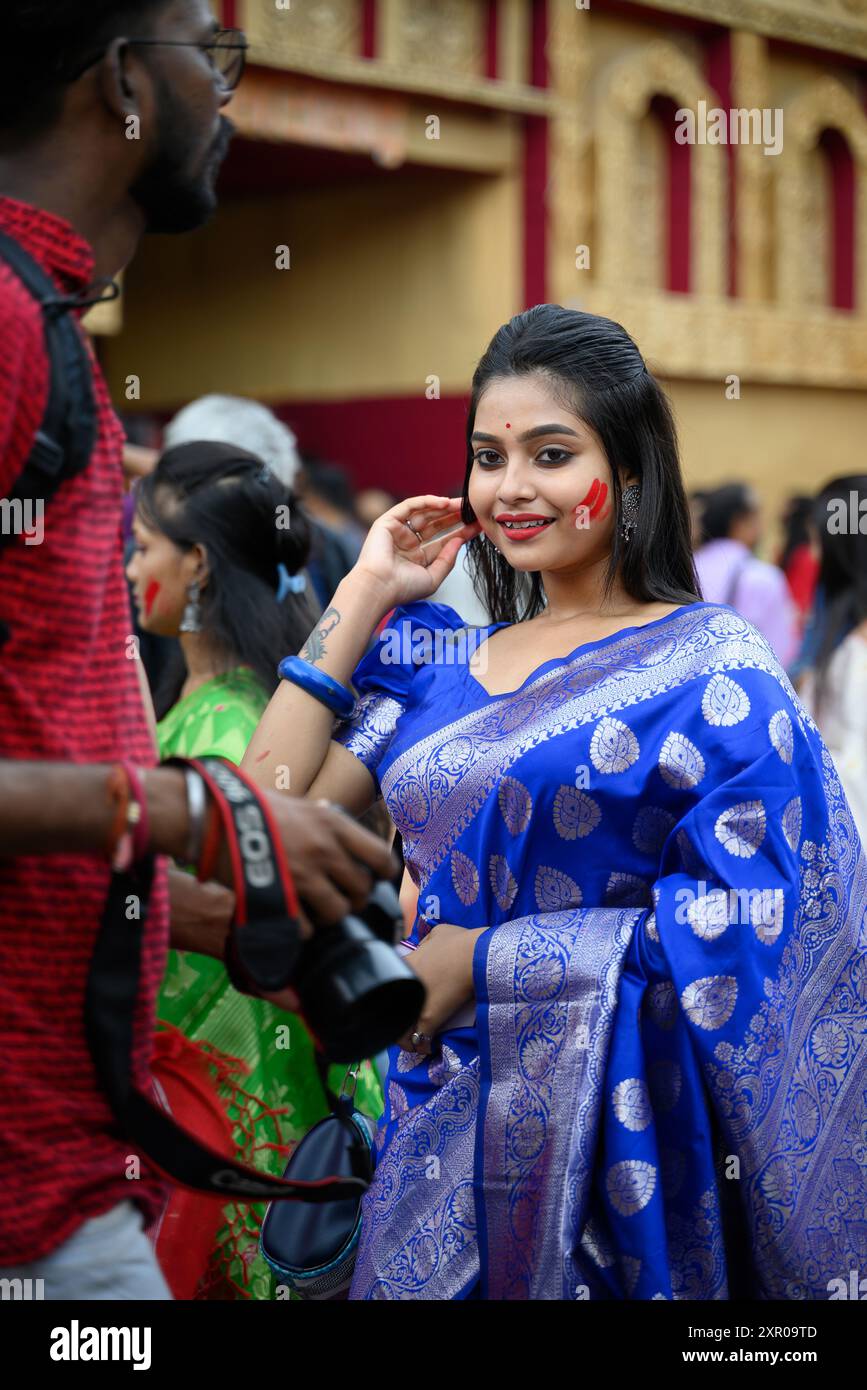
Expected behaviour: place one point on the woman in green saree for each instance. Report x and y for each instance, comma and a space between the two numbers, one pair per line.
210, 565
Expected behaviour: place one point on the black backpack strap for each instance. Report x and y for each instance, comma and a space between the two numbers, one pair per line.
67, 435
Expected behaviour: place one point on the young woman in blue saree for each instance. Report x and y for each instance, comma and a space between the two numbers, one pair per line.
640, 1072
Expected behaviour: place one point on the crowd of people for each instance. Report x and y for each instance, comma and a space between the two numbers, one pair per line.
811, 605
626, 819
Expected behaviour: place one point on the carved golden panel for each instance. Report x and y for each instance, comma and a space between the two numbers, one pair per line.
327, 26
835, 24
435, 34
626, 90
701, 337
824, 103
570, 203
426, 46
775, 330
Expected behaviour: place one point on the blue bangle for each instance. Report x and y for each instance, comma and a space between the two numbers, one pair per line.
321, 686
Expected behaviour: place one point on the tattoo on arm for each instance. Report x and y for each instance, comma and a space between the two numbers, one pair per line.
314, 648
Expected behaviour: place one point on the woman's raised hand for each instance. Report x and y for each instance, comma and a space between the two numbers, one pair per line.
410, 549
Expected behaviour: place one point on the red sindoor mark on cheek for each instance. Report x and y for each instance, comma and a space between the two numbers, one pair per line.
150, 598
590, 498
597, 507
594, 506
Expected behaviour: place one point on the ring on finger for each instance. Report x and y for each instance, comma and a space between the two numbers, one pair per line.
414, 531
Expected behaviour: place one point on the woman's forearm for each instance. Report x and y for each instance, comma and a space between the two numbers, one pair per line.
406, 556
291, 743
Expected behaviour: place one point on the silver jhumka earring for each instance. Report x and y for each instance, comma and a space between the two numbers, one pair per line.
192, 619
629, 511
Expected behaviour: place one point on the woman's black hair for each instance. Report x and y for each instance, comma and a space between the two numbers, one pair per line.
796, 527
226, 500
843, 569
597, 371
724, 506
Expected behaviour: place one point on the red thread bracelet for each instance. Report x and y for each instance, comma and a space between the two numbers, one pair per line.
140, 821
118, 790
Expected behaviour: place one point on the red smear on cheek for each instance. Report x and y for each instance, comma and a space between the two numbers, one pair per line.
264, 756
597, 507
150, 597
590, 499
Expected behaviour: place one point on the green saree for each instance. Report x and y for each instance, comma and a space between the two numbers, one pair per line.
260, 1058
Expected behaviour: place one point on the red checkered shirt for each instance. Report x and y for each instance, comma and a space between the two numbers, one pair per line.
68, 692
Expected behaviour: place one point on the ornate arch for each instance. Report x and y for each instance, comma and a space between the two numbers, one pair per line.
825, 103
626, 91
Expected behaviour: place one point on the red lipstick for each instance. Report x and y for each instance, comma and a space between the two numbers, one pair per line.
519, 526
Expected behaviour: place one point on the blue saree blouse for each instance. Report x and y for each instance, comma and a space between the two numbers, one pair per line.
663, 1092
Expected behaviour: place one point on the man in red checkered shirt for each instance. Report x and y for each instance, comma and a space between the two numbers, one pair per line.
110, 126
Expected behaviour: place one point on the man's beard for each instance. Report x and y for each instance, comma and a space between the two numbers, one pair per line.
172, 199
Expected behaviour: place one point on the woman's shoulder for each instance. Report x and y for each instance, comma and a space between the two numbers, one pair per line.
217, 720
415, 635
720, 621
416, 630
425, 614
709, 641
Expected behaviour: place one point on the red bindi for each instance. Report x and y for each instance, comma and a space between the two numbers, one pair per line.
508, 426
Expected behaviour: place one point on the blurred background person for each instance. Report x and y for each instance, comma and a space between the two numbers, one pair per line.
834, 686
248, 425
226, 419
372, 503
799, 556
696, 502
730, 573
206, 570
337, 536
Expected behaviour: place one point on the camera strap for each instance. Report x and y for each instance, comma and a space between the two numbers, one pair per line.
265, 939
262, 948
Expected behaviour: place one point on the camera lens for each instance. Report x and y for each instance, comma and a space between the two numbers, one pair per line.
357, 995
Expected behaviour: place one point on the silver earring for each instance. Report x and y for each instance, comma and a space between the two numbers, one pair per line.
192, 619
630, 503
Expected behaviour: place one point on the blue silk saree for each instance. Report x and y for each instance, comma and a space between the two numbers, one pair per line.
663, 1093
